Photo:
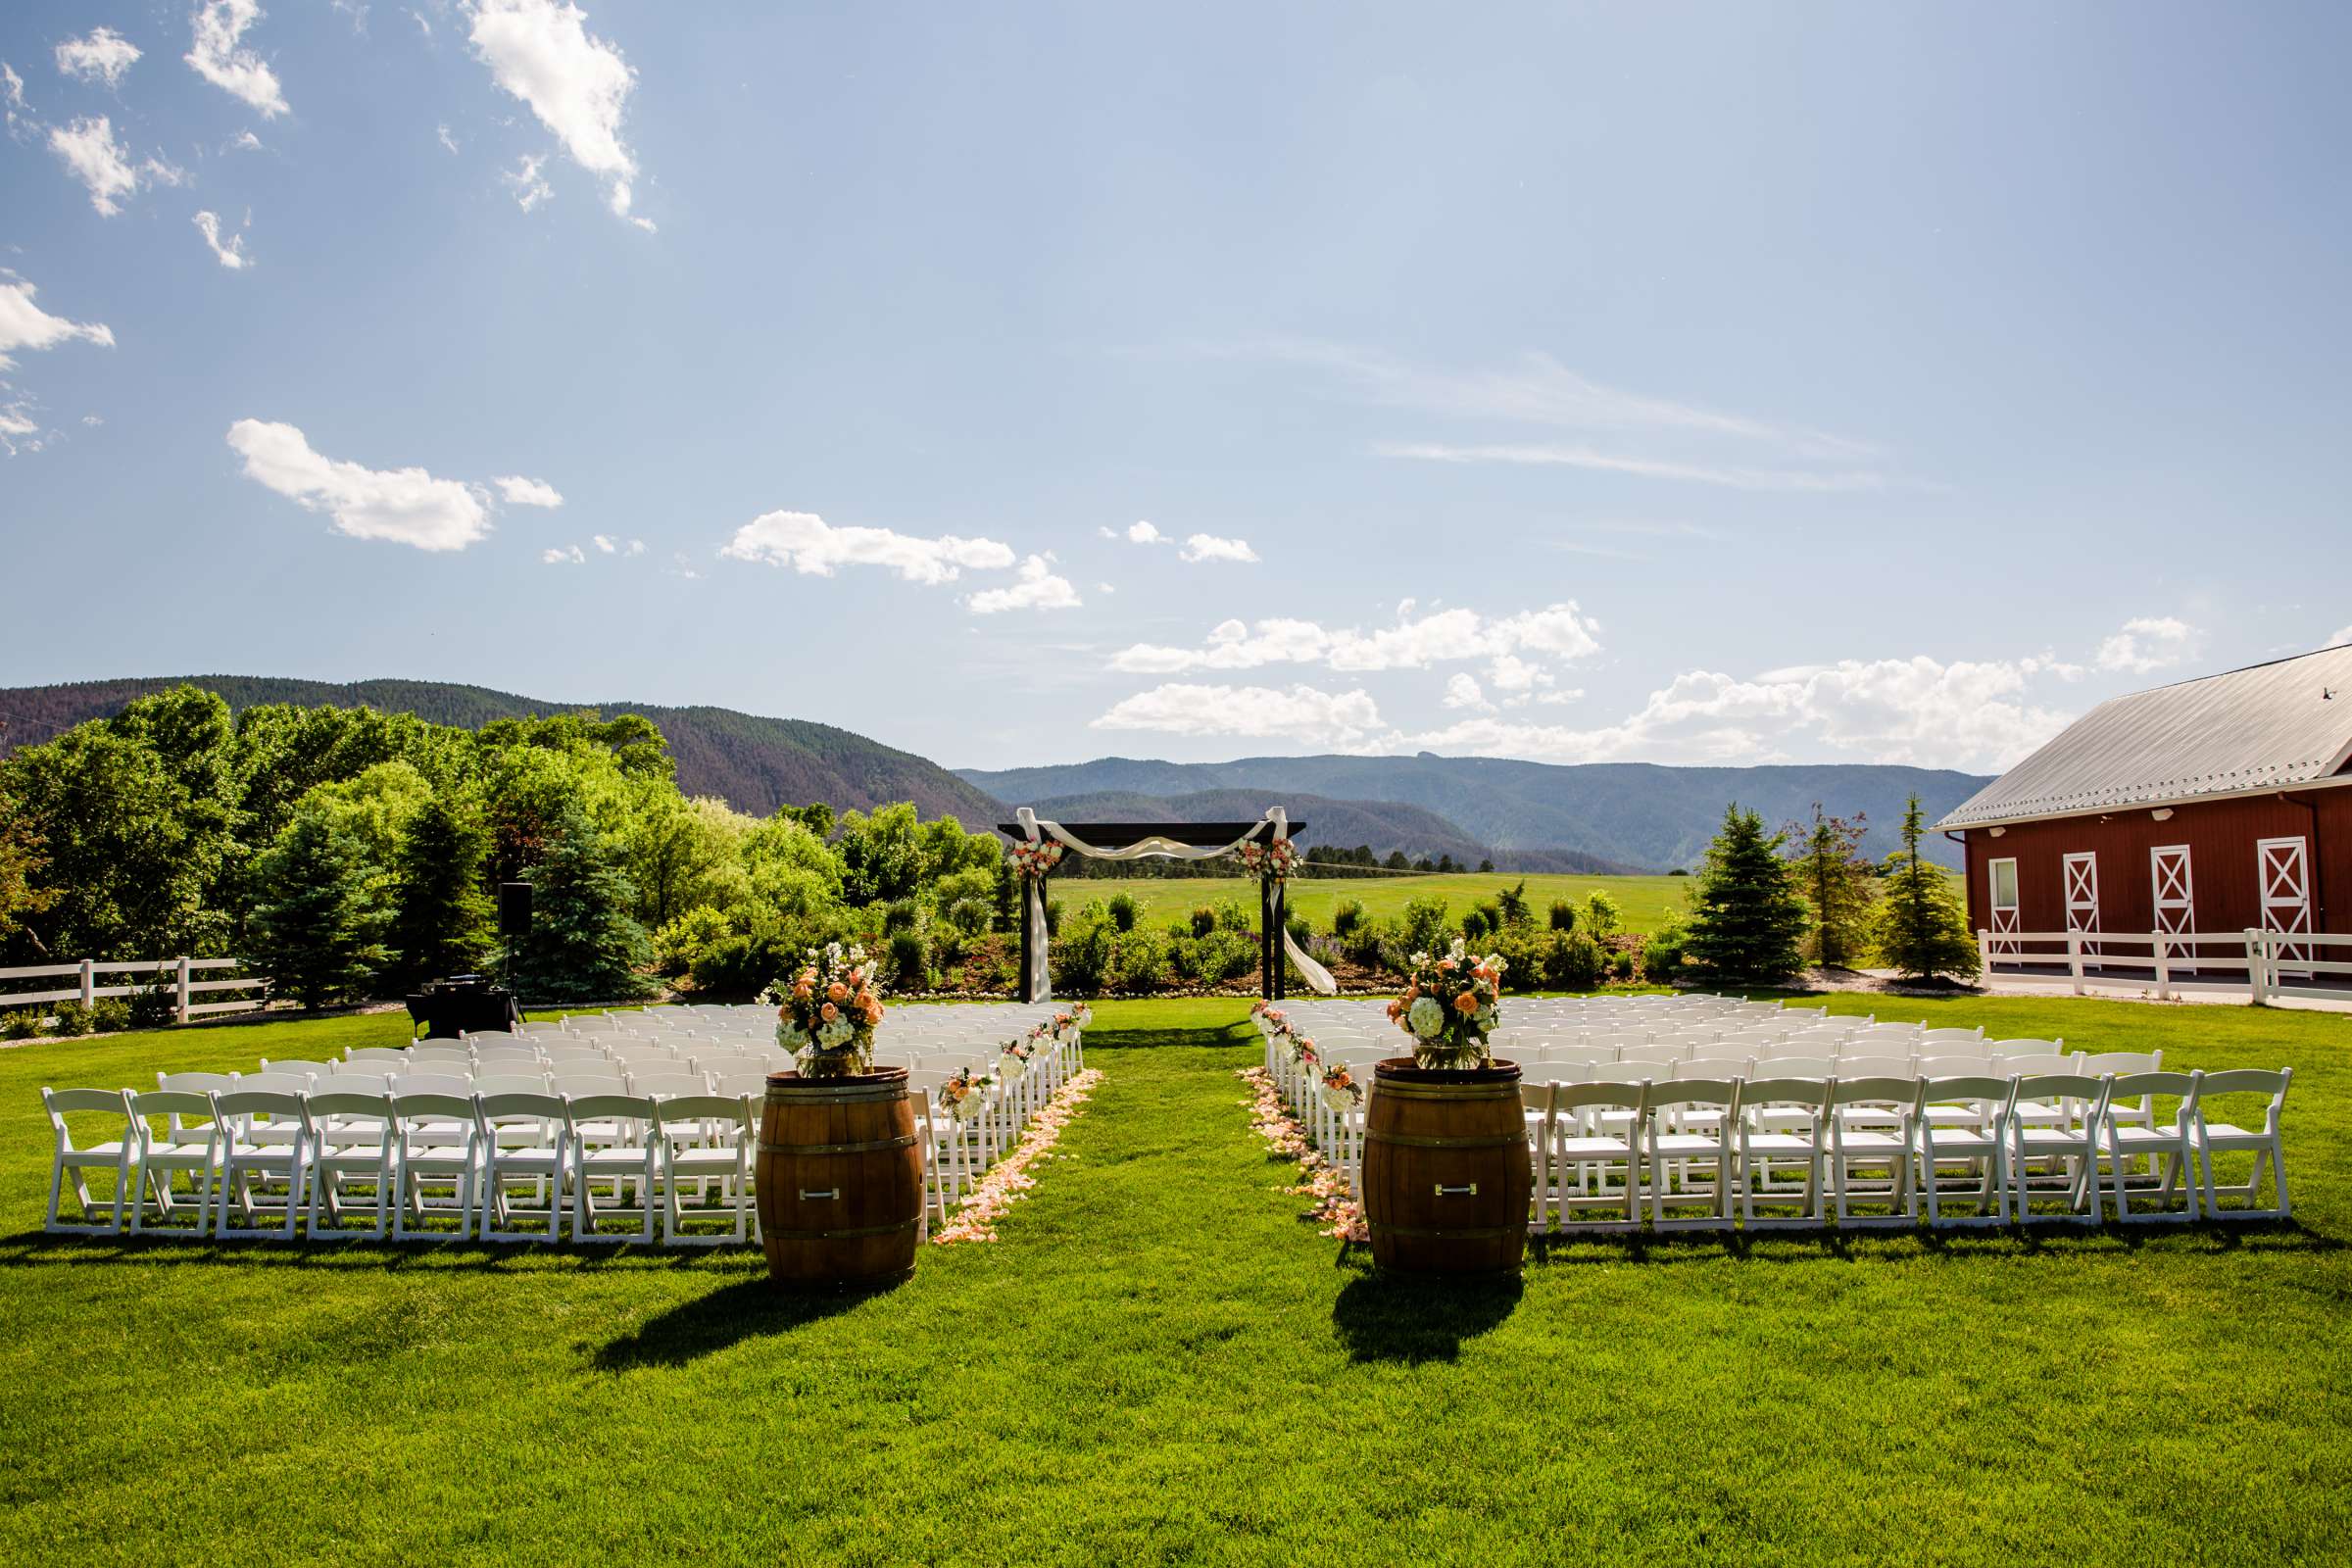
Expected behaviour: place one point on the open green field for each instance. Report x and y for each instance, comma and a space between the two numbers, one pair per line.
1160, 1363
1641, 900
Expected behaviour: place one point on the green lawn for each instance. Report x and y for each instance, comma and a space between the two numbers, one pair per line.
1160, 1363
1641, 900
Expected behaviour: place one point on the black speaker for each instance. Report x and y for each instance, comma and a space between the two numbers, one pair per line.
514, 910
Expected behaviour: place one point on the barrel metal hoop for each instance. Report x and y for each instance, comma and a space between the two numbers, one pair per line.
905, 1140
1428, 1141
1478, 1233
1508, 1088
886, 1094
839, 1235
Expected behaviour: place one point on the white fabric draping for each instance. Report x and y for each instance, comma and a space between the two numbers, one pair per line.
1041, 980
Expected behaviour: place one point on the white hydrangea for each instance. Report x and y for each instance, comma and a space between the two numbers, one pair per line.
1427, 1015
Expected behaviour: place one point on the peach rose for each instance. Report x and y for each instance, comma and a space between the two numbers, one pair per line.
838, 992
828, 1012
1465, 1003
802, 990
784, 1011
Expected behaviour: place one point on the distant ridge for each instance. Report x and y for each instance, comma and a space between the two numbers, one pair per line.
1628, 814
754, 764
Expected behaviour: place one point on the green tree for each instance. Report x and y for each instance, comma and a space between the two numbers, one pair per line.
441, 916
1921, 925
1836, 881
1746, 920
314, 931
1512, 903
584, 944
21, 863
1602, 917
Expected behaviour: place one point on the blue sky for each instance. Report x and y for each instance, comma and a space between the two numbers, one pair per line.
1018, 385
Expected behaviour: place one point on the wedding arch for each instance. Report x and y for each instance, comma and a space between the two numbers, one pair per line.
1265, 844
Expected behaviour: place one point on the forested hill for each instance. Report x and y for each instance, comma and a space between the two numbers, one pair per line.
754, 764
1633, 814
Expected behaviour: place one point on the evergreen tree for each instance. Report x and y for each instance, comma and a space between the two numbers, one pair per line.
441, 918
1836, 881
1921, 925
1746, 920
584, 945
314, 931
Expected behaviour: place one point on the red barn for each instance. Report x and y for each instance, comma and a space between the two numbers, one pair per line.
2213, 805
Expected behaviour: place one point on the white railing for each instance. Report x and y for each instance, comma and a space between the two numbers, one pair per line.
2263, 959
177, 975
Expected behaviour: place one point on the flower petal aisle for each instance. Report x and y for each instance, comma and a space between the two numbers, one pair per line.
1336, 1210
1007, 1180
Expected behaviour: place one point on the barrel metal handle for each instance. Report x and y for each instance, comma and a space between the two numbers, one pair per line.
835, 1192
1443, 1191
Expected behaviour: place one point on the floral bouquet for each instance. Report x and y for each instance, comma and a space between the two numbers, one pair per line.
1013, 1057
1083, 1015
1449, 1007
827, 1020
1034, 860
1065, 1027
1340, 1091
1271, 862
1270, 1018
1304, 1051
962, 1096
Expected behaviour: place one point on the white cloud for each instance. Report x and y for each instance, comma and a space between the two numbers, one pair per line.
562, 554
1569, 455
95, 155
1302, 714
406, 505
1036, 587
26, 326
231, 254
1135, 533
1464, 691
525, 181
681, 564
245, 141
1104, 588
14, 420
807, 543
604, 543
516, 491
217, 54
2341, 636
541, 52
102, 55
446, 140
1560, 631
636, 548
12, 87
423, 25
2148, 643
1208, 547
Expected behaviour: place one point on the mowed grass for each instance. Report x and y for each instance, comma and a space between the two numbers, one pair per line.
1159, 1362
1641, 900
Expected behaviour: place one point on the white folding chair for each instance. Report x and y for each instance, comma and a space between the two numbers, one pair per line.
2123, 1142
1963, 1119
437, 1149
1596, 1132
523, 1139
352, 1140
249, 1164
2225, 1137
1881, 1138
1780, 1125
704, 1139
111, 1153
179, 1150
2073, 1149
623, 1150
1675, 1146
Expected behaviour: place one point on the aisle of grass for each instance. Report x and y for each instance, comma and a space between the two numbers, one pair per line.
1160, 1363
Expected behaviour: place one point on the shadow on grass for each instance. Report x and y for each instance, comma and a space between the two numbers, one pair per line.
1903, 1245
727, 1316
40, 1249
1417, 1319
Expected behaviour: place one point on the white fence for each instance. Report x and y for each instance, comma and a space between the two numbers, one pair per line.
177, 976
2262, 962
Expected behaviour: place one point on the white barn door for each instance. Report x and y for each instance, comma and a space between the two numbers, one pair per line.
2175, 900
2000, 877
2284, 869
2082, 897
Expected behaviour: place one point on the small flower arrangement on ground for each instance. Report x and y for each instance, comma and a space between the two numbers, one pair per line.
1034, 860
1450, 1004
1271, 862
1340, 1091
827, 1019
1014, 1058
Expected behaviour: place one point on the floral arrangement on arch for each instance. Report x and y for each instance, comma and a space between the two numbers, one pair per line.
1450, 1004
1034, 860
1340, 1091
827, 1019
1271, 862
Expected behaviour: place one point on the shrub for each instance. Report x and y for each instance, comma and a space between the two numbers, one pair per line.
897, 915
947, 945
1474, 925
1139, 962
156, 1006
1601, 916
1563, 915
1082, 957
1052, 917
1622, 967
1347, 918
1662, 949
1205, 920
969, 915
908, 964
1494, 914
1122, 912
1232, 916
1570, 962
110, 1014
1225, 956
1300, 931
72, 1018
681, 943
21, 1023
1425, 924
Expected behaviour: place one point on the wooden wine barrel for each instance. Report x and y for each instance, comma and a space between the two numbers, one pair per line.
839, 1179
1446, 1171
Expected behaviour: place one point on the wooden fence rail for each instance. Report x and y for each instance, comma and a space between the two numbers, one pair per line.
179, 975
2266, 958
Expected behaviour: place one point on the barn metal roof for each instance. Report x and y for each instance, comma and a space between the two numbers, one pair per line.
2267, 727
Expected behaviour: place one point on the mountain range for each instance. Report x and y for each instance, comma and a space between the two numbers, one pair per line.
1534, 817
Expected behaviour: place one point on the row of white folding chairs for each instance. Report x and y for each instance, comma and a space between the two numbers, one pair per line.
419, 1158
1898, 1145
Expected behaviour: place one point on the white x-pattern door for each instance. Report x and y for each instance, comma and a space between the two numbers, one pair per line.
2176, 900
2284, 869
2001, 882
2082, 897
